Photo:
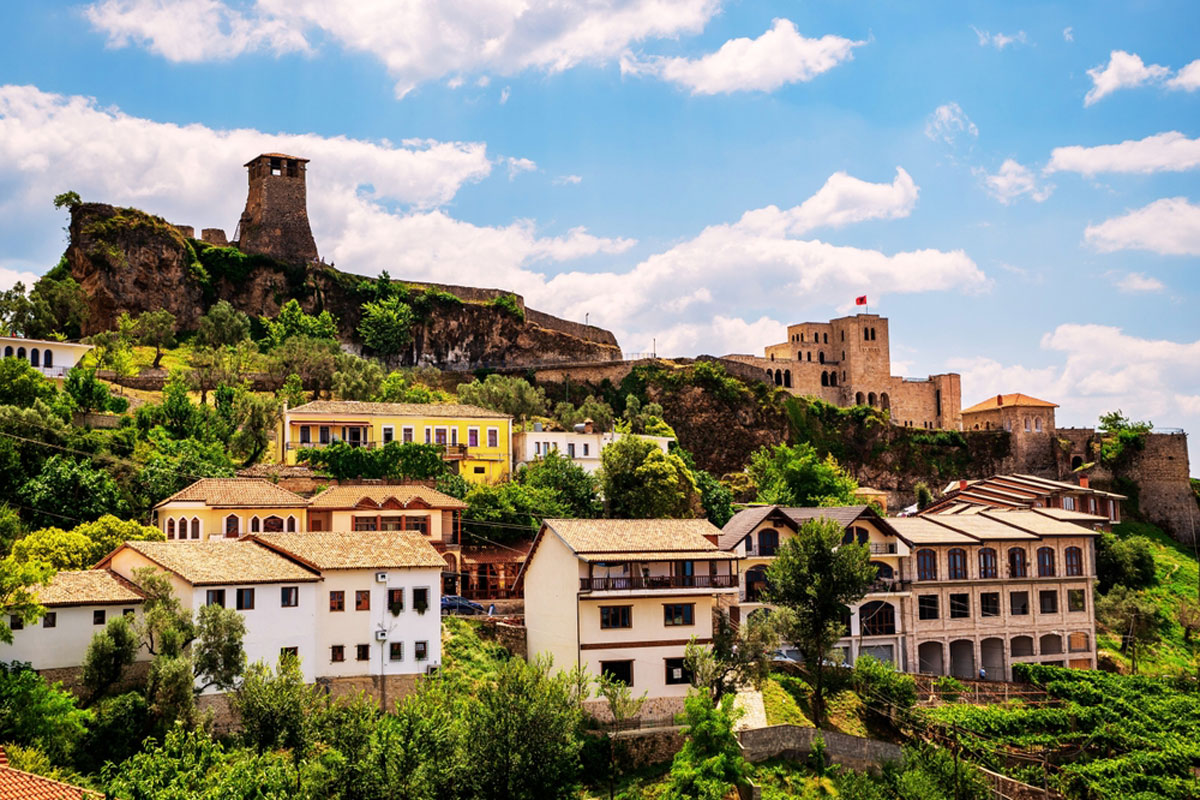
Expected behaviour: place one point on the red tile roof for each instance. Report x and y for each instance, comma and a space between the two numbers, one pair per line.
18, 785
1015, 399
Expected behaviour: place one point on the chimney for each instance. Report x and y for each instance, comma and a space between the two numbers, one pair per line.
588, 425
999, 399
1083, 481
962, 485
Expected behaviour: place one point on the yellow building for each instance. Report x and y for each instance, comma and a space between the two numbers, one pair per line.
217, 508
476, 440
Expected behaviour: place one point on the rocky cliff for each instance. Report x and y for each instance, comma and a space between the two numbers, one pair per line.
129, 261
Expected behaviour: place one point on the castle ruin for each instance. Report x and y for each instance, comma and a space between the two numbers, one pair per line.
275, 222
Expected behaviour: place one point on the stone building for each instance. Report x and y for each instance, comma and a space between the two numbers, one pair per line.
1015, 413
847, 362
275, 222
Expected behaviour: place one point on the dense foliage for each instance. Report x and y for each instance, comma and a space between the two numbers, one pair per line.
798, 476
395, 460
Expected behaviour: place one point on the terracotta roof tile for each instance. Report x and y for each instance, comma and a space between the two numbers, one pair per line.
220, 562
350, 496
355, 550
1015, 399
87, 587
18, 785
635, 535
748, 519
920, 530
397, 409
237, 493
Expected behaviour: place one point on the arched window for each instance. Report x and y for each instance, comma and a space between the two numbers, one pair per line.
1037, 424
883, 570
1045, 556
866, 334
987, 426
802, 336
47, 357
21, 353
872, 334
1076, 462
778, 377
956, 564
821, 356
871, 400
833, 378
825, 338
35, 357
291, 524
8, 351
195, 527
787, 378
926, 565
810, 355
255, 525
824, 378
1027, 424
885, 402
877, 619
273, 524
1074, 559
858, 399
1017, 565
799, 355
987, 563
170, 529
231, 525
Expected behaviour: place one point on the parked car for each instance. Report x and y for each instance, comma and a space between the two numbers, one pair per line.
454, 604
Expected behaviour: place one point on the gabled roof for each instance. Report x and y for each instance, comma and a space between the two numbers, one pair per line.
448, 410
1008, 491
1036, 523
18, 785
627, 536
745, 521
1002, 400
921, 530
237, 493
979, 526
216, 562
354, 550
88, 587
379, 496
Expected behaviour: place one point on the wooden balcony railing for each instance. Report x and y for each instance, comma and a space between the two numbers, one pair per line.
659, 582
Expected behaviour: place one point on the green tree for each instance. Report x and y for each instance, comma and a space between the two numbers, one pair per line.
710, 763
171, 464
68, 199
1120, 437
386, 326
577, 490
816, 576
797, 476
108, 532
291, 394
639, 481
21, 385
1135, 618
1124, 562
109, 653
738, 656
514, 509
222, 326
11, 528
35, 713
56, 547
314, 360
217, 653
277, 708
119, 726
715, 496
88, 392
506, 394
69, 488
598, 411
400, 460
212, 367
16, 312
357, 378
622, 707
292, 321
257, 418
647, 421
151, 329
18, 592
401, 387
59, 308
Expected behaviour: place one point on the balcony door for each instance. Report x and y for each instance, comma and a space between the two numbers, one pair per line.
685, 573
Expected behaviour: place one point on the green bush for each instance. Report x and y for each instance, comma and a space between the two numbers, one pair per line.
509, 304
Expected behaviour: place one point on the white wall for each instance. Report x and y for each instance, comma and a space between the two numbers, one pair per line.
66, 643
529, 446
551, 602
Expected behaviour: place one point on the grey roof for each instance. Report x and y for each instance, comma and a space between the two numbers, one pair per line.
748, 519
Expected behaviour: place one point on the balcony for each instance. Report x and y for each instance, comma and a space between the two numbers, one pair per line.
883, 548
888, 586
633, 582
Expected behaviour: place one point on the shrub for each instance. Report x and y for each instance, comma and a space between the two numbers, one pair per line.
509, 304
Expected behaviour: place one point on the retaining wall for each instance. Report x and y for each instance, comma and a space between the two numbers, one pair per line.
795, 743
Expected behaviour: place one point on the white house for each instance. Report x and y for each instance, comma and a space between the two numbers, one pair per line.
582, 447
276, 596
379, 600
79, 603
52, 358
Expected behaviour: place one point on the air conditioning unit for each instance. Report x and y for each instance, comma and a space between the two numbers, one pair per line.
381, 635
381, 577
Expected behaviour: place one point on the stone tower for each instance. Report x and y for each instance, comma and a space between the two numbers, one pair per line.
275, 222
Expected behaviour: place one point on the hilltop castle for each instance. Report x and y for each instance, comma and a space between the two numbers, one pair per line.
847, 362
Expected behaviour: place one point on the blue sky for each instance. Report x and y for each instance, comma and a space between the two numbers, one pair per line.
602, 156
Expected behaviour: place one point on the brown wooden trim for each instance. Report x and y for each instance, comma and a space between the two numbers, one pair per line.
623, 645
642, 594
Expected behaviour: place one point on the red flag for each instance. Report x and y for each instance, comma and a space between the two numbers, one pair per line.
860, 301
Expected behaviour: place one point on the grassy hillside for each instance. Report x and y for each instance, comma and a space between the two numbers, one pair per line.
1178, 579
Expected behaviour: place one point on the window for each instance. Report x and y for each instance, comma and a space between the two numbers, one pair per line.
1018, 603
98, 616
15, 622
215, 597
618, 671
570, 450
254, 525
49, 620
419, 524
421, 651
127, 612
244, 599
1075, 600
877, 619
291, 524
420, 599
1037, 424
926, 565
768, 542
493, 437
987, 563
989, 604
956, 563
323, 434
289, 596
472, 437
305, 436
337, 653
195, 529
1045, 558
960, 606
362, 652
679, 614
1048, 601
337, 601
677, 673
1073, 556
439, 436
395, 600
1027, 424
406, 434
231, 525
429, 436
294, 652
362, 600
1068, 503
389, 433
170, 529
616, 617
1017, 566
927, 606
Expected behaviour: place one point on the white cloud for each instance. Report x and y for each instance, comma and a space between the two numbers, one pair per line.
505, 93
1068, 34
1170, 226
1133, 282
1188, 78
455, 82
778, 57
1012, 181
1000, 40
518, 165
1123, 71
1163, 152
11, 277
416, 41
948, 121
563, 180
